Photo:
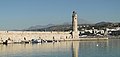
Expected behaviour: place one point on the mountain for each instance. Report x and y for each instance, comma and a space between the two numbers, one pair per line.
39, 27
84, 21
103, 23
50, 27
68, 26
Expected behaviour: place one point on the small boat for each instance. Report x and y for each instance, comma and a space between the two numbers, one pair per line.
25, 42
48, 41
8, 42
36, 40
51, 41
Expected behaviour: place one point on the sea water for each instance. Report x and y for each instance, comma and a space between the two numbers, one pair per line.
107, 48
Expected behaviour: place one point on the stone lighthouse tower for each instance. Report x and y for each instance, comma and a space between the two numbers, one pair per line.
74, 25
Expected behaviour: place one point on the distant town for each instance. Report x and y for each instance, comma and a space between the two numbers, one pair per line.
98, 29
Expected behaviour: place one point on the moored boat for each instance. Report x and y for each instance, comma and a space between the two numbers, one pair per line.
8, 42
36, 41
25, 41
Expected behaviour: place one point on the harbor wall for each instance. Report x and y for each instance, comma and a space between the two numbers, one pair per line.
29, 35
18, 36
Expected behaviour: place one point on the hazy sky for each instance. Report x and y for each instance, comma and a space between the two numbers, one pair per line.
19, 14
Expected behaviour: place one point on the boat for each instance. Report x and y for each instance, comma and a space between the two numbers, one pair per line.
48, 41
8, 42
36, 41
25, 42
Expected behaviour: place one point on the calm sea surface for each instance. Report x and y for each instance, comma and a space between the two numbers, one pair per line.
110, 48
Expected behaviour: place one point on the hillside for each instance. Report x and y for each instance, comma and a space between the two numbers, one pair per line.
68, 27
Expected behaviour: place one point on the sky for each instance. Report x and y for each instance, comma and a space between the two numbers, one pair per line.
21, 14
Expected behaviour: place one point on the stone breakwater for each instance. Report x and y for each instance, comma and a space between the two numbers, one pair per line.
18, 36
26, 36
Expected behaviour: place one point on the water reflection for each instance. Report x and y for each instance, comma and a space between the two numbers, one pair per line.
78, 46
75, 48
108, 48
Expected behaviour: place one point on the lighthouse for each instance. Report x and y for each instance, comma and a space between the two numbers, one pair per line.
75, 33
